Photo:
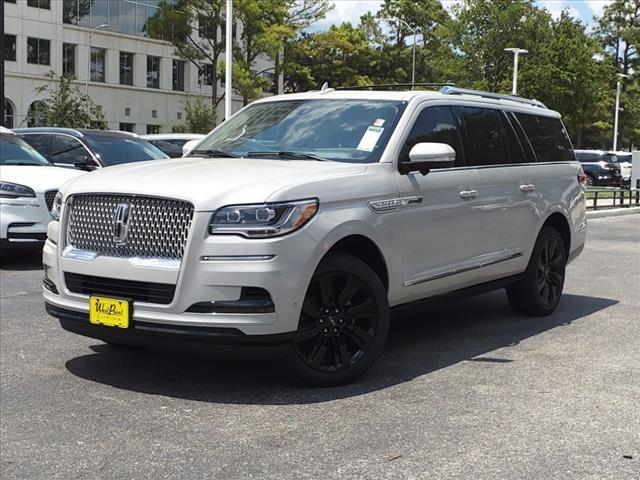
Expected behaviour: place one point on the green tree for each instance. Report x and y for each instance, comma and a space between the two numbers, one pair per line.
564, 72
619, 33
199, 117
341, 56
64, 105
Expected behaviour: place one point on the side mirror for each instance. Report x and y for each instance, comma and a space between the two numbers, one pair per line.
83, 163
426, 156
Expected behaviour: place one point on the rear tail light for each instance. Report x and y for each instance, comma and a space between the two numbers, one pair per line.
582, 179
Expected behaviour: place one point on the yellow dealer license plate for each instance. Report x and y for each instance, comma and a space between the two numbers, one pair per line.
111, 312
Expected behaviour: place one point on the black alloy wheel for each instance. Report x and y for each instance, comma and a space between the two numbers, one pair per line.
540, 290
550, 277
343, 324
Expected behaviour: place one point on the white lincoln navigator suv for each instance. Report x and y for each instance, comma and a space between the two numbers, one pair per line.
296, 224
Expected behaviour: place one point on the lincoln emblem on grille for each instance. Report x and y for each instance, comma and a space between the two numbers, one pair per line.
121, 223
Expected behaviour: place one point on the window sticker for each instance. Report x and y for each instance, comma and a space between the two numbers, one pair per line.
379, 122
370, 138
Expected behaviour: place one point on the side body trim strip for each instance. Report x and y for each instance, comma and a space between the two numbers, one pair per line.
508, 255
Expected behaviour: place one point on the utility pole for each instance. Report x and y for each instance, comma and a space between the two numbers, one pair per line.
516, 53
415, 31
615, 117
228, 59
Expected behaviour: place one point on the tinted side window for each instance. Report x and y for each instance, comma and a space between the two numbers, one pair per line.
588, 157
485, 137
67, 150
548, 137
434, 124
40, 142
516, 153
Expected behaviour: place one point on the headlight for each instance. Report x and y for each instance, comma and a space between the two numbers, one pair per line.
56, 208
13, 190
263, 221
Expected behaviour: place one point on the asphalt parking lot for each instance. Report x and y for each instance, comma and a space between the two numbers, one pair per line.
465, 389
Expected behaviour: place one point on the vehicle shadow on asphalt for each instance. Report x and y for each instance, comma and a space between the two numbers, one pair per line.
423, 338
21, 260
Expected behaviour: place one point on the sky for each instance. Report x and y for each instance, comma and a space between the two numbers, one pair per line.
351, 10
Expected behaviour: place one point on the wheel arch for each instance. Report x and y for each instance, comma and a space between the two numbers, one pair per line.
363, 248
559, 222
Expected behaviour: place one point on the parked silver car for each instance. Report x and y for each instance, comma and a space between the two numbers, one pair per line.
299, 222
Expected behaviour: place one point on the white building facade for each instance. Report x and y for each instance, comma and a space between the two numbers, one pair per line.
140, 82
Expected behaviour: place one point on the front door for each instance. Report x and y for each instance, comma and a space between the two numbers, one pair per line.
441, 213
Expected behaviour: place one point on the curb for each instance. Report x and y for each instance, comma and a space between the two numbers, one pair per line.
613, 212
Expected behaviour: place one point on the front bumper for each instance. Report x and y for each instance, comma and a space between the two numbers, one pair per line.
23, 221
228, 342
214, 269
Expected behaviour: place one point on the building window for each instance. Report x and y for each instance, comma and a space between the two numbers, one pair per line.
127, 111
8, 114
153, 72
205, 75
126, 68
152, 129
127, 127
178, 75
10, 48
38, 51
39, 4
68, 59
35, 114
122, 16
206, 27
179, 115
154, 113
97, 64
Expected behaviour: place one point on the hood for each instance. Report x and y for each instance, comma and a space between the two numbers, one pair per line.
209, 183
39, 178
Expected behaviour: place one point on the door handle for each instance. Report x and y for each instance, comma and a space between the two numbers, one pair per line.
468, 194
528, 188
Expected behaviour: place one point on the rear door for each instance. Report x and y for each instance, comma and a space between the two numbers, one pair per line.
509, 212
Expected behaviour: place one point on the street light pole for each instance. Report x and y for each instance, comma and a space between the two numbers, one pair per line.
86, 83
516, 54
615, 121
415, 31
228, 59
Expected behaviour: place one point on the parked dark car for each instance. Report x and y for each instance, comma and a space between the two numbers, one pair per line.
602, 168
89, 149
172, 143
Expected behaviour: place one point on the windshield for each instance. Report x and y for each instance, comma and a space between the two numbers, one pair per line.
353, 131
15, 151
117, 150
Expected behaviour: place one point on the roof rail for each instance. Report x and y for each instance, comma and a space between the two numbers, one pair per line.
389, 86
448, 90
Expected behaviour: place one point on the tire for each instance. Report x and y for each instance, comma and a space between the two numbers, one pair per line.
539, 292
343, 324
591, 182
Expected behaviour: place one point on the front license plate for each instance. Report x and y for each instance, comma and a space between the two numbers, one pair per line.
111, 312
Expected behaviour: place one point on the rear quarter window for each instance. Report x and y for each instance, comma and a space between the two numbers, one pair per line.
548, 138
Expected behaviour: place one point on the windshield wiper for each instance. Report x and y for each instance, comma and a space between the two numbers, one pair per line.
288, 155
211, 153
28, 164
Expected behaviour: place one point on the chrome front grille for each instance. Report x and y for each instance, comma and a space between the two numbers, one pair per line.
49, 196
154, 227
